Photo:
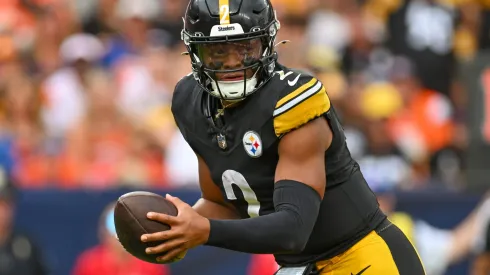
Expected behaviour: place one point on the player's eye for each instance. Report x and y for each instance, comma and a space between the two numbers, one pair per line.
215, 65
219, 52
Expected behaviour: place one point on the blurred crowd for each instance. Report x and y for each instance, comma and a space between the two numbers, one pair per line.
86, 87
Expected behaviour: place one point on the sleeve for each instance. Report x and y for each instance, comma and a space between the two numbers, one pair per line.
299, 105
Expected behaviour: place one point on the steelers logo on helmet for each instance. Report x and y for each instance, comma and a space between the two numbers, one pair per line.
231, 45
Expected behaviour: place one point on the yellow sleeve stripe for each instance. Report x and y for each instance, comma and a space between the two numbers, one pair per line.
301, 113
294, 94
300, 97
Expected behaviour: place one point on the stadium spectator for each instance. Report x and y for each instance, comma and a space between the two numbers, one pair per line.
438, 248
65, 90
426, 114
58, 44
86, 86
21, 126
429, 45
19, 255
109, 257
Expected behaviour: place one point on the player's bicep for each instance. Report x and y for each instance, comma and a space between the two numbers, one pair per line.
302, 155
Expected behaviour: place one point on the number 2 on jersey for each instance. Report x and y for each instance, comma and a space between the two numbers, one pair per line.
231, 177
283, 76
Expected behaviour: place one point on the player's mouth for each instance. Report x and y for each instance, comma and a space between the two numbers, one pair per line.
232, 77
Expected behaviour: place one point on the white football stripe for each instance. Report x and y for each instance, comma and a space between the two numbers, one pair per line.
298, 99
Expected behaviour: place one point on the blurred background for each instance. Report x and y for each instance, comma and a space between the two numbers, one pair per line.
85, 93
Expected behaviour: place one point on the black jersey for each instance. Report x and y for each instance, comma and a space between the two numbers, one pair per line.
242, 156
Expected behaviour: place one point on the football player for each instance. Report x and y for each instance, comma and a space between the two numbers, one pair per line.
275, 172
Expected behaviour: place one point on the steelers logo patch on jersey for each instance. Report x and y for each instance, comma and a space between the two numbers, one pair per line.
252, 144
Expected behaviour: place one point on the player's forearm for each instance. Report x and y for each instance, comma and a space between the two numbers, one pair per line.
463, 237
285, 231
212, 210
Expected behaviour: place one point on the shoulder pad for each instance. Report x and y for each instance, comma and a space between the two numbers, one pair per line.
185, 101
302, 99
182, 91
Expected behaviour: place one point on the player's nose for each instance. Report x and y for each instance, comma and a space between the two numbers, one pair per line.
232, 62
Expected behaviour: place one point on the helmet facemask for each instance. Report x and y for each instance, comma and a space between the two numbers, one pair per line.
233, 67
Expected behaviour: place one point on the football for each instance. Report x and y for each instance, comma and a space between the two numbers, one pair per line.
131, 222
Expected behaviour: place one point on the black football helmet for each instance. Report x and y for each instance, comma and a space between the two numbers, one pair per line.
231, 45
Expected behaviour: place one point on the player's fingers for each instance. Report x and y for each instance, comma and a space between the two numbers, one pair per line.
163, 218
164, 247
176, 201
160, 236
172, 255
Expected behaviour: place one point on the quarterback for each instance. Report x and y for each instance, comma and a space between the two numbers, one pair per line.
275, 172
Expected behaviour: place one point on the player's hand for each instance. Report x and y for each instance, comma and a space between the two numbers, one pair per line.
187, 230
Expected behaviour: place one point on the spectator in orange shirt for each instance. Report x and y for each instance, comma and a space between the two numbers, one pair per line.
425, 120
110, 258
